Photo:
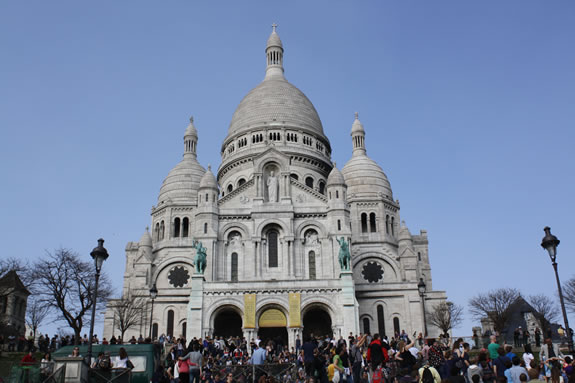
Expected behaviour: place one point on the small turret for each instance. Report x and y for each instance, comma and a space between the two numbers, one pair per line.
191, 139
274, 55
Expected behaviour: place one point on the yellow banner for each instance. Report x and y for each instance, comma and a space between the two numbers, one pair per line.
294, 309
273, 318
249, 310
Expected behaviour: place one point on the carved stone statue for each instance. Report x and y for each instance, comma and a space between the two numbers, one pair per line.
344, 256
201, 257
311, 239
272, 184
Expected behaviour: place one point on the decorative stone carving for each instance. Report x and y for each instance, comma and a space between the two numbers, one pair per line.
244, 199
300, 198
272, 184
372, 272
179, 276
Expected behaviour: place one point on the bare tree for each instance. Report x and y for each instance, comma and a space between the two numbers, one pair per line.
569, 294
446, 316
128, 313
495, 305
66, 284
36, 313
546, 310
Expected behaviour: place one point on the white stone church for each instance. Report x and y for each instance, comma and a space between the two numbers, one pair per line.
273, 223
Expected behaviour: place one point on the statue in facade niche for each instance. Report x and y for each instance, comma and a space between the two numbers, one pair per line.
344, 256
272, 184
201, 257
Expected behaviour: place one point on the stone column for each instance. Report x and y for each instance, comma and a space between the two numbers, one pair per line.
350, 309
195, 307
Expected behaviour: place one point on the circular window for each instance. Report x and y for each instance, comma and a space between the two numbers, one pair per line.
372, 272
179, 276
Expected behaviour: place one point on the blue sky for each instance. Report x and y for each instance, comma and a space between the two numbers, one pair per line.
468, 108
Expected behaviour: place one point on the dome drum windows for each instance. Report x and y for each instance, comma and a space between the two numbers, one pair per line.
372, 225
159, 231
390, 225
364, 222
291, 137
242, 142
307, 140
275, 136
257, 138
309, 182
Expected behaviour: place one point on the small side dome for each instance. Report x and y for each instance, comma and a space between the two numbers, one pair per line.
404, 234
209, 180
364, 176
335, 177
146, 239
181, 184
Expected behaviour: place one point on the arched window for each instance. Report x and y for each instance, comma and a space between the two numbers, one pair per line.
234, 267
396, 325
241, 182
338, 224
207, 197
337, 194
366, 329
387, 224
162, 230
273, 248
392, 224
312, 265
372, 226
322, 187
170, 328
419, 256
184, 328
176, 227
157, 232
309, 182
230, 188
294, 176
380, 321
364, 222
205, 228
185, 227
154, 331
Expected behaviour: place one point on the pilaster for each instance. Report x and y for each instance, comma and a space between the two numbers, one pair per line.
195, 306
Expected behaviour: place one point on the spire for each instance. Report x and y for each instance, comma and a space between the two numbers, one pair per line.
190, 139
358, 136
274, 55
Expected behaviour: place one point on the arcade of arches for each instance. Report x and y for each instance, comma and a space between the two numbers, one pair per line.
273, 324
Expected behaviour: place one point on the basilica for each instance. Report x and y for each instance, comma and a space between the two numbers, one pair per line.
277, 242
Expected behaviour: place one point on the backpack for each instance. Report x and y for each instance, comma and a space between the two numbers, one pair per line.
427, 376
488, 373
105, 363
376, 354
377, 376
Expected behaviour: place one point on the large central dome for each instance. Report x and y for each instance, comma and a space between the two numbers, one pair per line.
275, 100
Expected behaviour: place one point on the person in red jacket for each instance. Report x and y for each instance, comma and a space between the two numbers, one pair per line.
377, 354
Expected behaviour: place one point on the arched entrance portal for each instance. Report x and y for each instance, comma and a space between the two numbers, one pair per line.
272, 327
228, 323
316, 321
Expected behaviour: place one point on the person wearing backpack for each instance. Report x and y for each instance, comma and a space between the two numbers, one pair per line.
376, 353
356, 356
428, 374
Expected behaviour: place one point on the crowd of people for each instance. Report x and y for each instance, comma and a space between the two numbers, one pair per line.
360, 359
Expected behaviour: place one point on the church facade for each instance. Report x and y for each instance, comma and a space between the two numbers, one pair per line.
278, 242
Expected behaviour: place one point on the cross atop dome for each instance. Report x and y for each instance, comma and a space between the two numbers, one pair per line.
274, 26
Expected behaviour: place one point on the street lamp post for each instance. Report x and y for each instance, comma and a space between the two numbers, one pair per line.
422, 288
153, 295
99, 254
550, 243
